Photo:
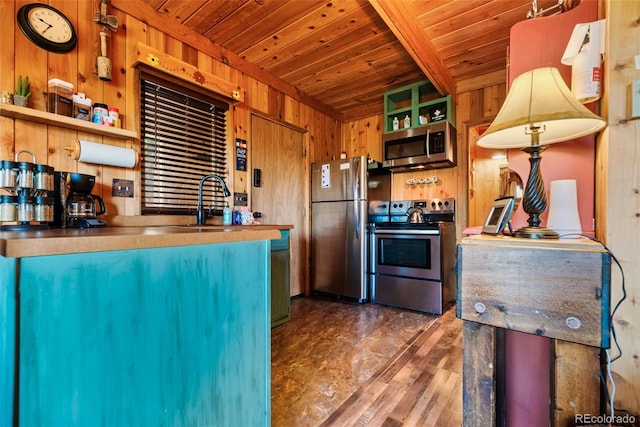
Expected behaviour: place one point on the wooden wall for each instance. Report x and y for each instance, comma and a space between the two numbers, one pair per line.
618, 192
21, 57
473, 108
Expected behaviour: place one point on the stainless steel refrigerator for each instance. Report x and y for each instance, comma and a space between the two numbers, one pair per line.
340, 190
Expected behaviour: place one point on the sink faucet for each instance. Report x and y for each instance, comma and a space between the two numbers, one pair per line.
201, 217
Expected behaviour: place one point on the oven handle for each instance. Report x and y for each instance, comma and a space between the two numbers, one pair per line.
405, 231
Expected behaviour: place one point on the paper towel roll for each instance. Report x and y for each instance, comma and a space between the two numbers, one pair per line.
91, 152
563, 209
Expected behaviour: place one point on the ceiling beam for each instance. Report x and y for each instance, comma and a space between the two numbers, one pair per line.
401, 21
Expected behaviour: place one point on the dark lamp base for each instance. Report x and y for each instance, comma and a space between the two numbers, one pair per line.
535, 233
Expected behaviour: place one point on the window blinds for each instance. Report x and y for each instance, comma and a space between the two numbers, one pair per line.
183, 139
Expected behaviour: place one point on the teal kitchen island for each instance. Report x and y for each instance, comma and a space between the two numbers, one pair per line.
143, 326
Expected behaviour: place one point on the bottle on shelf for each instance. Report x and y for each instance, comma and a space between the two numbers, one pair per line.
407, 122
396, 123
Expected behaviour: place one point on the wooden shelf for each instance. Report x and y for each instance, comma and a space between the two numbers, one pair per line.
37, 116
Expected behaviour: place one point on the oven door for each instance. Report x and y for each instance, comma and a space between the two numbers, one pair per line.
406, 253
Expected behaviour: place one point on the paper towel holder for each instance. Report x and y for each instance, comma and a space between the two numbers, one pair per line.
75, 150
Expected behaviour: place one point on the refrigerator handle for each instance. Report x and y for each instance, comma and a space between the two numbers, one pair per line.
355, 173
427, 142
345, 182
356, 178
356, 215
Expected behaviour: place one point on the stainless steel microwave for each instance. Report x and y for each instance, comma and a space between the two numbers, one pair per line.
426, 147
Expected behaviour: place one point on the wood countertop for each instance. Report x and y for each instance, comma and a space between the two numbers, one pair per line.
18, 244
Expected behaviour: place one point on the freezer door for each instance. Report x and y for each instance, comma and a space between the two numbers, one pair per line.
339, 180
338, 249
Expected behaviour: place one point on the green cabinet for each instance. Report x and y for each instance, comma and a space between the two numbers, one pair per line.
280, 275
420, 102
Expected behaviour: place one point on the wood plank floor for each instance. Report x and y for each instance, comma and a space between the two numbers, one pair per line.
344, 364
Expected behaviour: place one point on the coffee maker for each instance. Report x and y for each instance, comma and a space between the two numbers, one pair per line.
75, 206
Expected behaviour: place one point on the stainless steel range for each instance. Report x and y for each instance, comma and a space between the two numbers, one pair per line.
412, 254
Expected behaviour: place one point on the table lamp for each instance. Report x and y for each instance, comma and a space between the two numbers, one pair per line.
539, 110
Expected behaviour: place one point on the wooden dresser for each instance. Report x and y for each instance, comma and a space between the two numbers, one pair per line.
559, 289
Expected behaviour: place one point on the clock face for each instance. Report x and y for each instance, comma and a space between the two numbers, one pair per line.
50, 25
47, 27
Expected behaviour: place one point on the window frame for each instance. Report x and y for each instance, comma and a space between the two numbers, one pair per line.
170, 187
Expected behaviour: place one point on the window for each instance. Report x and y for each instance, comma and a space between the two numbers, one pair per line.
183, 136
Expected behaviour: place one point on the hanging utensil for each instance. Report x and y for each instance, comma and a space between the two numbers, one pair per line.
104, 63
101, 17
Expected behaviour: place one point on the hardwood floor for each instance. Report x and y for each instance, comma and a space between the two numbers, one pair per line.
338, 363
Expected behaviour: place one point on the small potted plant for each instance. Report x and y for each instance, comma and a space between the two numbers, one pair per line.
22, 93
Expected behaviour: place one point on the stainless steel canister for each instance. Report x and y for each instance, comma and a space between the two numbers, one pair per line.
43, 178
43, 211
26, 170
8, 173
8, 208
26, 208
25, 175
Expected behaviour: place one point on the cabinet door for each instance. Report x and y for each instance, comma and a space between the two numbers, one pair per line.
280, 300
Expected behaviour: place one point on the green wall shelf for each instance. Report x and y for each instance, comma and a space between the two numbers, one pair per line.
421, 102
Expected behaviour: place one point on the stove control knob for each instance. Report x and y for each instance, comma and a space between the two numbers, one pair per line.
440, 204
446, 203
433, 204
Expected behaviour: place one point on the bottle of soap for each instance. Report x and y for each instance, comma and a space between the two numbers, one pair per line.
407, 122
226, 215
396, 123
237, 217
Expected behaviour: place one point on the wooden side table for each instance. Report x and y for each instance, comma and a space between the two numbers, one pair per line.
558, 289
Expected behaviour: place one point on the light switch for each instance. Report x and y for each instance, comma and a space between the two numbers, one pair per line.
240, 199
635, 100
122, 188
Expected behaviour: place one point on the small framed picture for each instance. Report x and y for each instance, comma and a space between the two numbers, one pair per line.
499, 215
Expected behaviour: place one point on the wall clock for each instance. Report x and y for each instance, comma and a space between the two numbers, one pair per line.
47, 27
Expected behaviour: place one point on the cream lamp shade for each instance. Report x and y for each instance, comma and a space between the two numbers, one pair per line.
539, 110
539, 98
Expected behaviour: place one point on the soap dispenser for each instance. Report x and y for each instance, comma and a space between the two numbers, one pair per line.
396, 123
226, 215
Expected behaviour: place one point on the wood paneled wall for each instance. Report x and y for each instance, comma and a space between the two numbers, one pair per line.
21, 57
364, 137
618, 192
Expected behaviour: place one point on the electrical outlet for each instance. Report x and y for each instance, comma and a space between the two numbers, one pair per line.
122, 188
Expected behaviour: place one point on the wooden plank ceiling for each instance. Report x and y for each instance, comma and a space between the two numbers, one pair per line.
346, 53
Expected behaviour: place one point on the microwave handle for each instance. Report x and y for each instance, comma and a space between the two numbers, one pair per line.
426, 141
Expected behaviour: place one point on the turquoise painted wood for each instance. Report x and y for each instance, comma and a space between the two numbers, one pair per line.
156, 337
7, 338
